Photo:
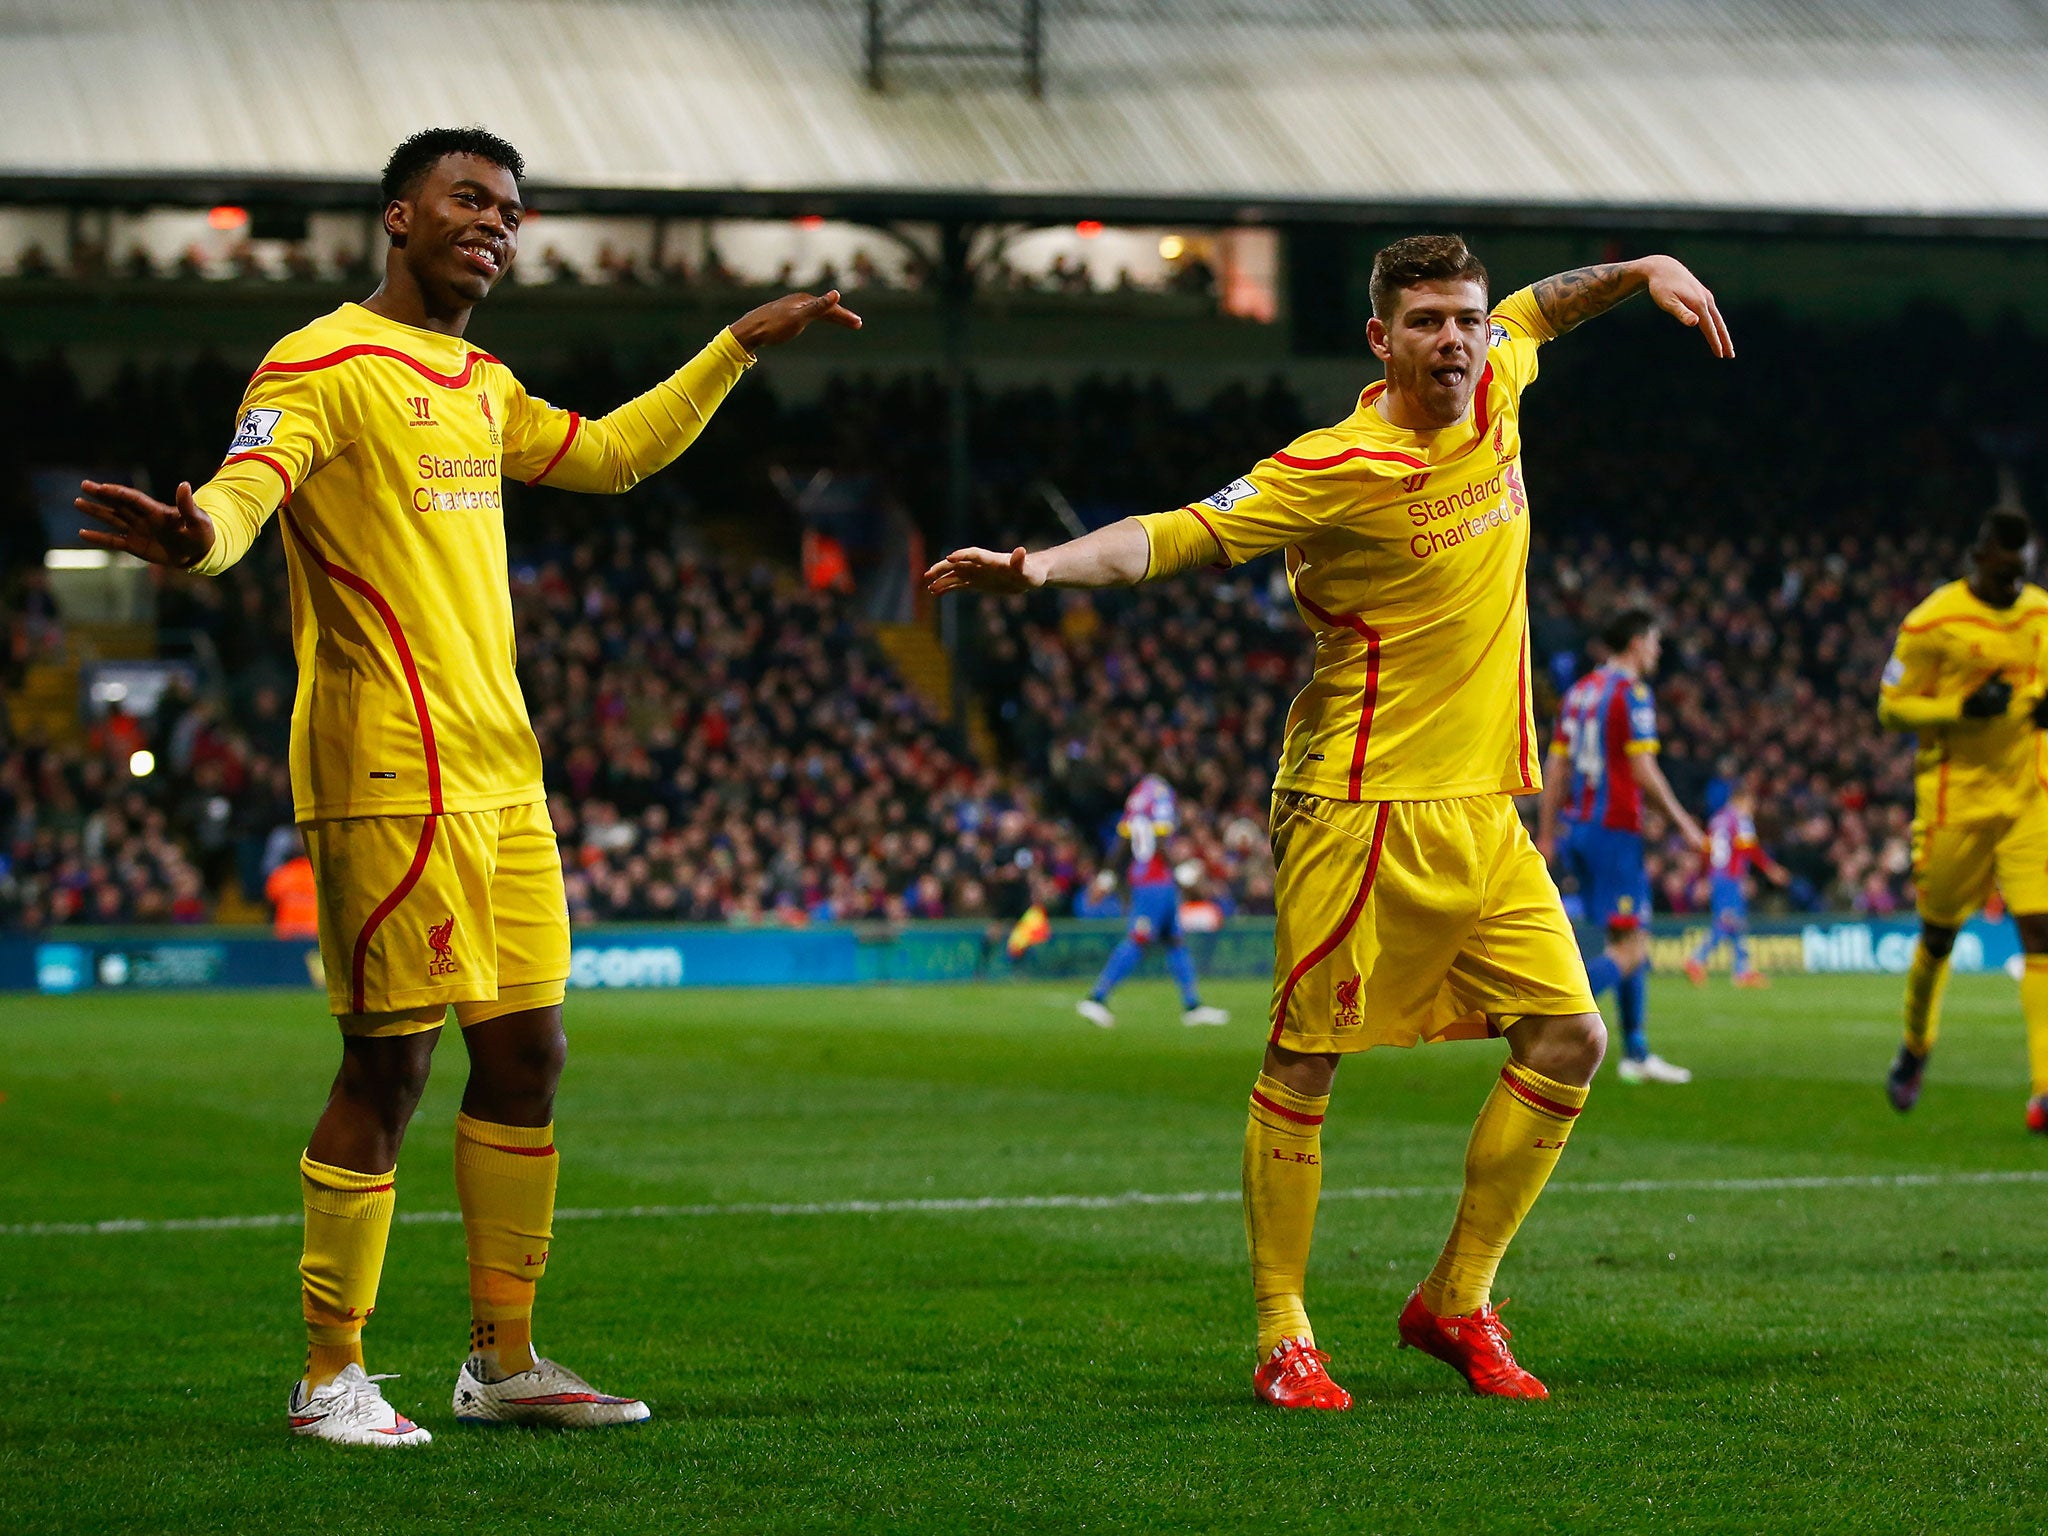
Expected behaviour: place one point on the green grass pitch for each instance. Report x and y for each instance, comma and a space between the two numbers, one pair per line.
1724, 1357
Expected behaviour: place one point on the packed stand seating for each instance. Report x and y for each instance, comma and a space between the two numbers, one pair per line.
722, 744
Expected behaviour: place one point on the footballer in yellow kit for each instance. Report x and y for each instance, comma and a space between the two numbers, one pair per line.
1412, 903
381, 440
1969, 676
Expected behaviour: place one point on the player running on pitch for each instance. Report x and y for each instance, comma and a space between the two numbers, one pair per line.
1732, 852
380, 438
1151, 815
1412, 904
1605, 754
1967, 675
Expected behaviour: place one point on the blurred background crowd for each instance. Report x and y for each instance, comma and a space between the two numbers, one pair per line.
726, 738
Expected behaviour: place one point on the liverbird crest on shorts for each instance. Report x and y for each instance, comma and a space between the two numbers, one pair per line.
441, 939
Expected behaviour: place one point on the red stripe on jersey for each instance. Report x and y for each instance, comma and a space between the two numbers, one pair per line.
1480, 416
1522, 705
1624, 799
1347, 456
1535, 1100
384, 909
1322, 951
356, 583
1212, 534
1370, 697
575, 425
1295, 1115
263, 458
367, 349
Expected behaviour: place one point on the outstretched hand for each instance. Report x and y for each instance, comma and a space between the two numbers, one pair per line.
983, 570
1679, 294
143, 526
787, 318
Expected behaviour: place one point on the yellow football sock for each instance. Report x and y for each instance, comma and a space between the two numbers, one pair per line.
1283, 1178
2034, 1004
348, 1222
1926, 980
505, 1179
1515, 1143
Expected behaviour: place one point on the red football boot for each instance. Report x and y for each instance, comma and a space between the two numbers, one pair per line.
1695, 973
2037, 1114
1475, 1346
1293, 1377
1751, 979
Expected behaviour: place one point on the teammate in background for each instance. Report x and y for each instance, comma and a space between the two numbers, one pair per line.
1411, 903
1732, 851
1151, 816
1967, 675
380, 437
1605, 754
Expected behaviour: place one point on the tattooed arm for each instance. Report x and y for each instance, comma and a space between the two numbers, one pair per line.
1572, 297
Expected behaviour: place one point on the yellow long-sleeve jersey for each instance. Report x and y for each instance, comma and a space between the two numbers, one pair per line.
385, 448
1408, 554
1966, 769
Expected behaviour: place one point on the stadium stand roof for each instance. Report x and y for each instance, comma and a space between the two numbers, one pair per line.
1892, 110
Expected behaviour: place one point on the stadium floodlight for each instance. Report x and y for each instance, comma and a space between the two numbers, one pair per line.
142, 763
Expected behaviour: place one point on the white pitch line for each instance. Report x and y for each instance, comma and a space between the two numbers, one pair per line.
967, 1205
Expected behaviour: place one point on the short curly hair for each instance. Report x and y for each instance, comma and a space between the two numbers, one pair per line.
410, 162
1421, 259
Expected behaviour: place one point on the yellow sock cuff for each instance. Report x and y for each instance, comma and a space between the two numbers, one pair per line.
1560, 1101
518, 1151
344, 1192
1284, 1109
2037, 962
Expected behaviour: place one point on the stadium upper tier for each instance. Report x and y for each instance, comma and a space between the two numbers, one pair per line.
1260, 109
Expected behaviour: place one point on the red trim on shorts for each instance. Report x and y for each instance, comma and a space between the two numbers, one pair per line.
575, 425
262, 458
384, 910
1323, 950
1369, 697
356, 583
1535, 1100
1283, 1111
367, 349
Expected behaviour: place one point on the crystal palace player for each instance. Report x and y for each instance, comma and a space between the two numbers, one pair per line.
1732, 852
1412, 904
1967, 674
1151, 815
380, 438
1605, 749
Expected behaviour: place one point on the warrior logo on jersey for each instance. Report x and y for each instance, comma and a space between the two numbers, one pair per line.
257, 429
1238, 490
1345, 1015
441, 940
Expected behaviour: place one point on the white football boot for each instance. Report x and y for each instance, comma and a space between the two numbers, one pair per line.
1095, 1013
350, 1410
1202, 1013
1651, 1069
548, 1394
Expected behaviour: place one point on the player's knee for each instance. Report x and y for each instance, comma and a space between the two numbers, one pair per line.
1567, 1048
1938, 941
384, 1079
2033, 927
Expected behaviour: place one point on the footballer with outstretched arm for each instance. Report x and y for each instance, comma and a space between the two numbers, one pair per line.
380, 439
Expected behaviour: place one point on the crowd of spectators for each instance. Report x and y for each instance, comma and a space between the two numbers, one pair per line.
722, 744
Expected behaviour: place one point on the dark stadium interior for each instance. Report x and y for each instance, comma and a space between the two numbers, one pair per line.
723, 745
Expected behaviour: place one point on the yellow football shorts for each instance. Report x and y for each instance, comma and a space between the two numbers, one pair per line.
420, 912
1410, 921
1956, 863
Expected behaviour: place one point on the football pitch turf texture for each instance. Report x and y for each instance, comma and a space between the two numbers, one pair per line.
1763, 1302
